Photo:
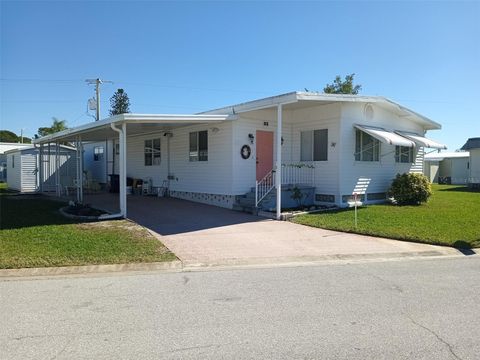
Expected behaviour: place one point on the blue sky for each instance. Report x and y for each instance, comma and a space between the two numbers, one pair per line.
184, 57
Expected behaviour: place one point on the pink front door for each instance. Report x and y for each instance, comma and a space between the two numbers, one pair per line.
264, 153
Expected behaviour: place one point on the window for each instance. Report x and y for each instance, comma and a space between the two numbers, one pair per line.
403, 154
117, 149
198, 146
314, 145
13, 161
367, 148
152, 152
98, 153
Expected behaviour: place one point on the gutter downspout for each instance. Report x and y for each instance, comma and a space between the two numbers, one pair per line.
122, 175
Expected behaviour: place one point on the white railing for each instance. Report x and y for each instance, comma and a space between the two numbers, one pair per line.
292, 174
298, 174
264, 186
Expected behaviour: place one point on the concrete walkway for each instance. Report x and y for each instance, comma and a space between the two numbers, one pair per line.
206, 235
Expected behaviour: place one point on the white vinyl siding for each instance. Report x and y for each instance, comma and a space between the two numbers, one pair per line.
378, 174
211, 177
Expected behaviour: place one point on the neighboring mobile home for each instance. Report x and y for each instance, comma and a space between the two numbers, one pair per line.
335, 144
447, 167
23, 168
473, 146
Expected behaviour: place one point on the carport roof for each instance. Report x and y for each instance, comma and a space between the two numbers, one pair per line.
137, 123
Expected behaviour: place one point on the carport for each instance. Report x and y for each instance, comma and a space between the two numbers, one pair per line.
117, 127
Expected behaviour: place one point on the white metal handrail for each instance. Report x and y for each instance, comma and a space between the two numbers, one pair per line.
292, 174
264, 186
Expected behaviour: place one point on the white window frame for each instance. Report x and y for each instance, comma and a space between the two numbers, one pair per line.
194, 152
404, 155
98, 152
152, 148
361, 148
311, 151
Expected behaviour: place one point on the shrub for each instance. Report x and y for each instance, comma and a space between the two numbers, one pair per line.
410, 189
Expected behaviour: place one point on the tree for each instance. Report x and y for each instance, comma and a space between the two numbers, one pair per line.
8, 136
119, 103
342, 87
57, 125
11, 137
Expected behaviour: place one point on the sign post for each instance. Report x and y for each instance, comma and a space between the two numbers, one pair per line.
355, 199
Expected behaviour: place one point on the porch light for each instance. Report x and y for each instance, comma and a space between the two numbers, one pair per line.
251, 138
168, 134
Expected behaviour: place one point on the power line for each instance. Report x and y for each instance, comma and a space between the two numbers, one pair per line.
183, 87
39, 80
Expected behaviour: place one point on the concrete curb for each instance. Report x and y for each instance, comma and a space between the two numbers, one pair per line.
225, 264
327, 259
91, 269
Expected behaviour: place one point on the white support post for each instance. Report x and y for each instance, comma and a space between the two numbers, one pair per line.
77, 169
278, 169
105, 154
123, 170
122, 164
40, 168
49, 166
57, 169
80, 146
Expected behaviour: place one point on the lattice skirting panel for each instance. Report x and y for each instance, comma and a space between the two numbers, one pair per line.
225, 201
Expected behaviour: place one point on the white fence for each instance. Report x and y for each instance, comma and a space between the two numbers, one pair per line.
298, 174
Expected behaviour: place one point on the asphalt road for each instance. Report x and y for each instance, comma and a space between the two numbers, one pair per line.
420, 309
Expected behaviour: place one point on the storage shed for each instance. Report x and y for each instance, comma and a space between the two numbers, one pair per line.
23, 166
447, 167
473, 146
4, 147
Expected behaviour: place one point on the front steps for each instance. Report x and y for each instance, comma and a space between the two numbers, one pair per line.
246, 202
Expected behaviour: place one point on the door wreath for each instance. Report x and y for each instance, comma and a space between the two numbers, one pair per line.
245, 152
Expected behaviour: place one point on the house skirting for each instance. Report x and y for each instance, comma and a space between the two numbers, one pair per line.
225, 201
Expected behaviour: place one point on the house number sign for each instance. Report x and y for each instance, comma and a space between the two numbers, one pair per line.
245, 151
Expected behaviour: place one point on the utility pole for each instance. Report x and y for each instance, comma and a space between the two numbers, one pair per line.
97, 83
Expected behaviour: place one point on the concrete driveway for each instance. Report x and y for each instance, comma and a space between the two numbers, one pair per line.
208, 235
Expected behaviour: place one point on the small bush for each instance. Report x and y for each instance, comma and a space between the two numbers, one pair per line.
410, 189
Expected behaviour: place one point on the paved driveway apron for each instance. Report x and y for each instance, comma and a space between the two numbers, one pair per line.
208, 235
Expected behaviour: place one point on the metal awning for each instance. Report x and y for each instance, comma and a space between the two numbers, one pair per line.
386, 136
136, 123
421, 140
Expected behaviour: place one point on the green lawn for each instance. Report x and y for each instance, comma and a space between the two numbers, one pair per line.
451, 217
34, 234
